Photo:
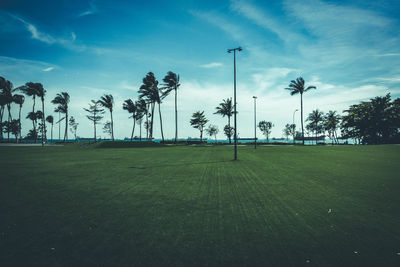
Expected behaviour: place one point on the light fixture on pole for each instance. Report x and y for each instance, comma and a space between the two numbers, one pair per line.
294, 141
234, 95
255, 123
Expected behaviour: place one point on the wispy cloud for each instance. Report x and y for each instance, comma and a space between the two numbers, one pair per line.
48, 69
91, 10
211, 65
264, 19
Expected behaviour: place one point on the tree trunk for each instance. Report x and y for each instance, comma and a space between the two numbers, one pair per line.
159, 112
19, 120
112, 126
133, 128
140, 133
147, 121
176, 116
301, 107
152, 121
229, 125
66, 127
34, 121
9, 122
201, 136
52, 132
94, 126
43, 123
1, 122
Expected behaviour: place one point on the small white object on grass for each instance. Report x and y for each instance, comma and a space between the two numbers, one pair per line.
355, 252
308, 261
330, 210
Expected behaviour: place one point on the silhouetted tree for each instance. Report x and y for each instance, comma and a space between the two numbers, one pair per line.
107, 128
171, 81
198, 121
331, 124
212, 130
297, 87
95, 114
149, 92
50, 119
73, 126
19, 100
225, 108
315, 119
31, 89
130, 106
107, 101
229, 131
62, 100
265, 127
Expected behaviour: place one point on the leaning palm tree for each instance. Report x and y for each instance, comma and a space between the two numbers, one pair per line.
50, 119
149, 92
30, 89
62, 100
171, 81
107, 101
19, 100
140, 113
226, 109
40, 92
130, 106
199, 121
297, 87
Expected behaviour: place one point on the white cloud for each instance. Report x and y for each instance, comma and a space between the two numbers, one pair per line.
48, 69
212, 65
91, 10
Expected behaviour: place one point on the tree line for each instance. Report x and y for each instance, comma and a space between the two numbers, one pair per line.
370, 122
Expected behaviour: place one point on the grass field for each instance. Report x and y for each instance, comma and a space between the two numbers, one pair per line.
192, 205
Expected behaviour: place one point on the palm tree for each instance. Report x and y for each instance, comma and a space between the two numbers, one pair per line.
130, 106
40, 92
6, 92
297, 87
198, 121
316, 117
30, 89
212, 130
4, 100
62, 100
19, 100
107, 101
149, 92
332, 121
171, 81
50, 119
226, 109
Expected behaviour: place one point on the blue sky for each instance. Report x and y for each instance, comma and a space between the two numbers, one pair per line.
350, 50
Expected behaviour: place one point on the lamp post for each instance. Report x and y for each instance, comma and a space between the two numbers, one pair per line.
255, 124
294, 141
234, 95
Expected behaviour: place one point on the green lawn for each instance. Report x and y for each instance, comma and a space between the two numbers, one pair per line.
188, 205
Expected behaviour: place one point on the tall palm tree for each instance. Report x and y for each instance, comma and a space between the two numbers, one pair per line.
6, 91
50, 119
171, 81
40, 92
297, 87
149, 92
30, 89
19, 100
226, 109
62, 100
130, 106
4, 100
107, 101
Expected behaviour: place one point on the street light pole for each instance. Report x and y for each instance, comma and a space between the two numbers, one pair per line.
255, 124
294, 142
234, 95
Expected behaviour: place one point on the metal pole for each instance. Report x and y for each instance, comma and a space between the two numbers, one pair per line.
255, 123
234, 96
294, 142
